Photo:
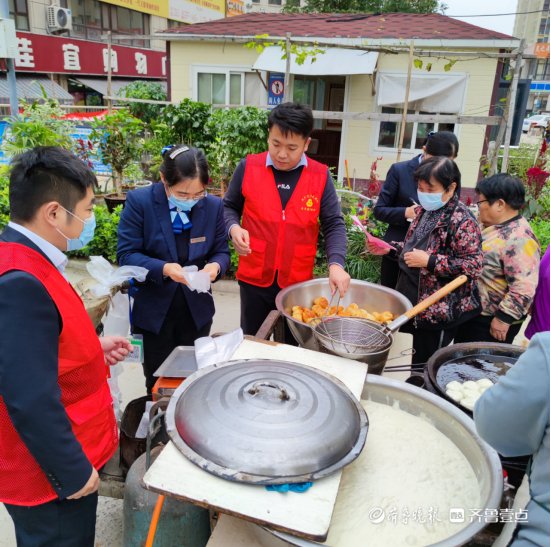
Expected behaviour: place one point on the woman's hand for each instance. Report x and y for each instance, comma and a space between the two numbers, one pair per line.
175, 272
240, 240
115, 348
213, 269
499, 329
410, 213
374, 249
416, 259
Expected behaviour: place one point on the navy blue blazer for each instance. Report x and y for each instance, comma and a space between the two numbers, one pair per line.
30, 326
146, 239
396, 195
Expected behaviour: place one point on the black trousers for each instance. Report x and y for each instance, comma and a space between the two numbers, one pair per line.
427, 341
58, 523
178, 330
256, 304
389, 272
478, 330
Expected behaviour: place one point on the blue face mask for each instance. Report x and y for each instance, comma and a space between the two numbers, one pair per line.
85, 236
183, 204
431, 201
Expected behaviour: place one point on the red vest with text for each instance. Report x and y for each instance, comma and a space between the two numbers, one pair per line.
82, 378
281, 240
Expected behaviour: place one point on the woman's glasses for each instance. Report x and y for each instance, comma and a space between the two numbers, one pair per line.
481, 201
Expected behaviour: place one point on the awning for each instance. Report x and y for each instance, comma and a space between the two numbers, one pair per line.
427, 92
334, 62
100, 84
28, 88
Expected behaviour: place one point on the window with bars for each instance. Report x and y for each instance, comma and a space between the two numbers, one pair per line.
92, 18
415, 133
19, 13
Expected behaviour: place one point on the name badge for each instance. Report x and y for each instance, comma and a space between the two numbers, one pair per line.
198, 239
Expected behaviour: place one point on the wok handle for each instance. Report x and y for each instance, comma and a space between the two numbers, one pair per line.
435, 297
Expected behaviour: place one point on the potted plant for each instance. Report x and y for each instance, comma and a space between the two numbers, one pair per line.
119, 138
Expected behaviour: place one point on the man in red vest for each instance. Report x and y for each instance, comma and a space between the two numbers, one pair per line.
57, 425
274, 206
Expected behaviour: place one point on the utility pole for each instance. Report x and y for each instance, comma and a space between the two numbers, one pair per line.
10, 64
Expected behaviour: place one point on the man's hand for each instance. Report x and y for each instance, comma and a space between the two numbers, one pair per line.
240, 239
339, 280
175, 272
213, 269
115, 348
417, 259
374, 249
89, 488
499, 329
410, 213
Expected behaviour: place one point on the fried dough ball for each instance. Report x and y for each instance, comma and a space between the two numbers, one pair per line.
321, 301
307, 315
296, 313
319, 310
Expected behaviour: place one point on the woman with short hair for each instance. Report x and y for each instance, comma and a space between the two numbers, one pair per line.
511, 262
442, 243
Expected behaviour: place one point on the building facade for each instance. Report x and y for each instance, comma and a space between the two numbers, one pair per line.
533, 25
208, 63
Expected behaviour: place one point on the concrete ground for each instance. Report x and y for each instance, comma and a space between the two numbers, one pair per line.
131, 383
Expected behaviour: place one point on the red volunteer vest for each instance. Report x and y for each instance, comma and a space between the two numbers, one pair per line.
281, 240
82, 378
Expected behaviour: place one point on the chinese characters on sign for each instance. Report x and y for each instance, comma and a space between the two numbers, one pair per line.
275, 89
52, 54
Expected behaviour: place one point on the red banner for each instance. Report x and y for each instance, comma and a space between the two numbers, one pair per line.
59, 55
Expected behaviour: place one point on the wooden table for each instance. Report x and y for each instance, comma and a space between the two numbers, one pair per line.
308, 514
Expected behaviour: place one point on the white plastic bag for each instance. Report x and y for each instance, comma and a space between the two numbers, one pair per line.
209, 350
108, 276
196, 281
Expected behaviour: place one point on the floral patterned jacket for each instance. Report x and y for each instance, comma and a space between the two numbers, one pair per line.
455, 246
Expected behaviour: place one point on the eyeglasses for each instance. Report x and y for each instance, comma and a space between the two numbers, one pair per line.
481, 201
185, 195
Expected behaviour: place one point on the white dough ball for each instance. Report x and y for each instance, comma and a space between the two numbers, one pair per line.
455, 385
470, 385
454, 394
485, 383
468, 403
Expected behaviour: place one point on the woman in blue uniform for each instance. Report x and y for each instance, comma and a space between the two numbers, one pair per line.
163, 228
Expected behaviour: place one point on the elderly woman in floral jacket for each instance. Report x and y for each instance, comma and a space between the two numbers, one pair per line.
443, 242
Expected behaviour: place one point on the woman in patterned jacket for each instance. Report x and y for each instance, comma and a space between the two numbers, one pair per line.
511, 262
443, 242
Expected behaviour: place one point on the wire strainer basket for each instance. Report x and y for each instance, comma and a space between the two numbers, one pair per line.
353, 337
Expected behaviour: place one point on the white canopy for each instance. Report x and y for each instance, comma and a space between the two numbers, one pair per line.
334, 62
427, 92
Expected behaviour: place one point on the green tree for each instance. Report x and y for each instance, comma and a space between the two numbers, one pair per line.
366, 6
147, 91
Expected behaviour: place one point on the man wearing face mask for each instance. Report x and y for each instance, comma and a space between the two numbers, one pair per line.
57, 426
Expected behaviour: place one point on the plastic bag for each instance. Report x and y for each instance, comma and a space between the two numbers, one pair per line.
108, 276
196, 281
209, 350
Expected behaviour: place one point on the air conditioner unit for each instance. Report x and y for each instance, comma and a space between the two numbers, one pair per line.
59, 19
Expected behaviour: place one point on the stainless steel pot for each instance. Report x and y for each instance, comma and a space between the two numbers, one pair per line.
369, 296
266, 422
457, 427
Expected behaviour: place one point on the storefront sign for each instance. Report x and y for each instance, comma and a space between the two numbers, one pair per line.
153, 7
58, 55
276, 86
196, 11
541, 50
235, 7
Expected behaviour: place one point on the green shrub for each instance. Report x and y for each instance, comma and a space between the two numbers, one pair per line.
541, 229
144, 90
4, 197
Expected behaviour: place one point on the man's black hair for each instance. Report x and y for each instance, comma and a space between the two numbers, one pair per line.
443, 169
183, 162
292, 118
44, 174
502, 186
442, 143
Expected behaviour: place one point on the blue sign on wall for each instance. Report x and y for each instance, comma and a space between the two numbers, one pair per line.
81, 132
276, 86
